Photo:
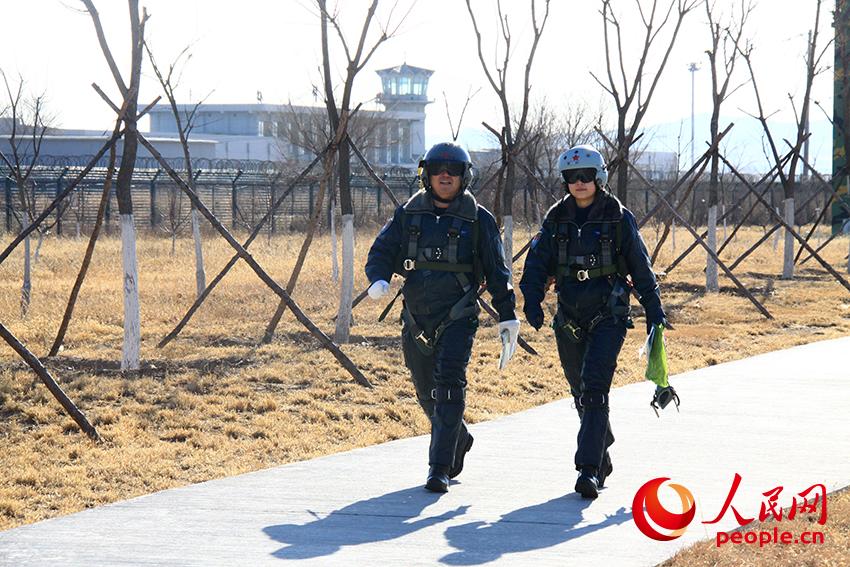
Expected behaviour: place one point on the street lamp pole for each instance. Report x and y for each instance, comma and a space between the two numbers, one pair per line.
693, 68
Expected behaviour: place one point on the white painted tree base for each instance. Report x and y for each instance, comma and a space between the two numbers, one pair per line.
343, 321
508, 242
788, 257
132, 323
711, 283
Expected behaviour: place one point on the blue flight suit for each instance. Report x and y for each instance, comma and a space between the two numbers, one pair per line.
438, 369
571, 241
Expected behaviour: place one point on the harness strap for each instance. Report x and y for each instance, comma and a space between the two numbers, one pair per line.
389, 306
605, 245
413, 231
454, 238
562, 236
582, 274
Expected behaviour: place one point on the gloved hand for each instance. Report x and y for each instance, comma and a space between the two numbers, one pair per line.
663, 321
509, 334
655, 316
534, 315
379, 289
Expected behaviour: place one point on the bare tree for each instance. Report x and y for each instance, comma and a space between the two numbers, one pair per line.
512, 135
184, 123
469, 96
722, 57
550, 132
305, 129
28, 125
631, 97
130, 94
788, 178
338, 114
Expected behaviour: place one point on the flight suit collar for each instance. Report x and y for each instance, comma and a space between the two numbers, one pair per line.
464, 206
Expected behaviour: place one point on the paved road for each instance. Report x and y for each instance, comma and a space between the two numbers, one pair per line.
779, 419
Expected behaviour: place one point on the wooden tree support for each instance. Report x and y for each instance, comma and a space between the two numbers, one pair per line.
663, 200
325, 341
769, 177
791, 230
766, 235
81, 276
67, 191
42, 372
728, 212
711, 253
700, 164
232, 262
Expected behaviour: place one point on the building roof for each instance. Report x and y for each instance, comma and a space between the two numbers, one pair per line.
406, 69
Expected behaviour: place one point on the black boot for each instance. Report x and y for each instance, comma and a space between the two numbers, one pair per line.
463, 447
438, 479
587, 483
606, 470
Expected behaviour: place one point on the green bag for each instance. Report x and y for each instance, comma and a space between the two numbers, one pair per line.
656, 363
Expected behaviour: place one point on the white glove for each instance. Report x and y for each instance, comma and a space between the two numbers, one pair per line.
509, 333
379, 289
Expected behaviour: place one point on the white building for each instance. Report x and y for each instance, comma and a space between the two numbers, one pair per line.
392, 136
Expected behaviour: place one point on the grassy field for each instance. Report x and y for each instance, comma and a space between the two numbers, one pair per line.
213, 403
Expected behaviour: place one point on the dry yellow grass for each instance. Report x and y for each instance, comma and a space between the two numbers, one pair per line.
216, 404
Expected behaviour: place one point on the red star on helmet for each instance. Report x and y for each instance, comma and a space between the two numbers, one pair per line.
576, 157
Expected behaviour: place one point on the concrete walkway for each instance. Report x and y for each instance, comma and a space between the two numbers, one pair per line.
776, 419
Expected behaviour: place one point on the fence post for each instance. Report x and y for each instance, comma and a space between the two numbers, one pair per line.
272, 201
378, 197
59, 210
8, 196
107, 210
154, 211
234, 206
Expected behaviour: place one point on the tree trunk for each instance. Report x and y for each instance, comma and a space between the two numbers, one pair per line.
343, 322
346, 292
37, 254
26, 286
711, 283
132, 325
332, 224
200, 274
508, 241
508, 209
673, 235
173, 242
788, 263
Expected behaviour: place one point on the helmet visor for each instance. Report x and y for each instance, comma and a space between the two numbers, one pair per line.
583, 175
453, 168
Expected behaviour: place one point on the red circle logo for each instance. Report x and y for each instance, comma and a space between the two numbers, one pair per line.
646, 506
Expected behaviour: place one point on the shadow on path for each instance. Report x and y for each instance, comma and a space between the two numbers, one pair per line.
535, 527
376, 519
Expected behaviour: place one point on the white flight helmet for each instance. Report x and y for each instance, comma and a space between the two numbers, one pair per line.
584, 157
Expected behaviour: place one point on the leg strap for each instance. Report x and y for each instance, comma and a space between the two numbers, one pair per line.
591, 400
450, 394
